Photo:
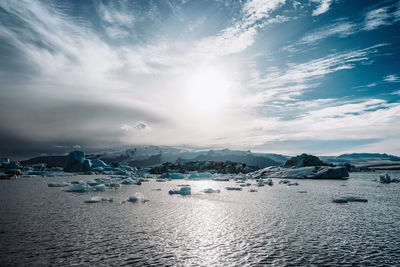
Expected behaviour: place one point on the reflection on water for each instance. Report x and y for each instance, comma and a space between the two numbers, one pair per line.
276, 226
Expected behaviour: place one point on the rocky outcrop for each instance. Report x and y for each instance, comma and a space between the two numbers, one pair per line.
226, 167
304, 160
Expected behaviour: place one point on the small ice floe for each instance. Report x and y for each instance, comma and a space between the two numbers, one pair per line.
284, 181
99, 188
221, 179
246, 184
98, 199
253, 190
293, 184
79, 188
349, 199
260, 183
269, 182
157, 189
177, 175
210, 190
302, 192
57, 184
386, 179
92, 182
199, 175
137, 197
230, 188
128, 181
160, 180
181, 191
181, 185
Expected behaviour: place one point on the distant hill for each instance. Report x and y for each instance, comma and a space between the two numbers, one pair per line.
383, 156
146, 156
51, 161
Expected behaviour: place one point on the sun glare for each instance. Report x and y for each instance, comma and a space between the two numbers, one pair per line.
207, 89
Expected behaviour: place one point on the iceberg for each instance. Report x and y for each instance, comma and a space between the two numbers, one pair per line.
127, 181
186, 190
99, 188
210, 190
230, 188
176, 175
137, 197
201, 175
57, 184
75, 161
314, 172
79, 188
386, 179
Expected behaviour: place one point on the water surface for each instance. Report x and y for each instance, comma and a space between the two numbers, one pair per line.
278, 225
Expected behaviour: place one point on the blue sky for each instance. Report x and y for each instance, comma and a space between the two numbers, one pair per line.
318, 76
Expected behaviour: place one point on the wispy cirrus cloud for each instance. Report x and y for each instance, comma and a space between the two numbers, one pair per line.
236, 38
301, 76
344, 27
392, 78
323, 6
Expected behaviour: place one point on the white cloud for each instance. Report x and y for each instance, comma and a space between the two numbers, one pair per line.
138, 128
241, 35
377, 18
323, 6
393, 78
299, 77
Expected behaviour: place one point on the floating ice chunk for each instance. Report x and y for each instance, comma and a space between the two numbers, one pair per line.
182, 191
260, 183
161, 180
284, 181
221, 179
385, 178
230, 188
210, 190
200, 175
349, 199
253, 190
57, 184
80, 188
98, 199
176, 175
99, 188
269, 182
291, 184
127, 181
137, 197
92, 182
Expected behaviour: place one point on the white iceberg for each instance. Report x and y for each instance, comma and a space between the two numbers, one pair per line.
98, 199
99, 188
80, 188
137, 197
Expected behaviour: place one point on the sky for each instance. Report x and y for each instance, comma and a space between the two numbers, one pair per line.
283, 76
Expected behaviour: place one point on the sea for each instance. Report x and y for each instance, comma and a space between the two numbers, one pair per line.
279, 225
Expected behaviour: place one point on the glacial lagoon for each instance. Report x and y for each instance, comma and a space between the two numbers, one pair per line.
278, 225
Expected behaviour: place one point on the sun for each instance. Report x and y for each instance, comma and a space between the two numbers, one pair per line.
207, 89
